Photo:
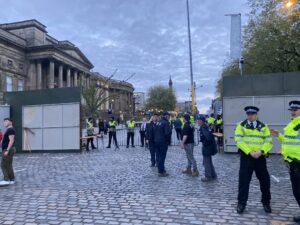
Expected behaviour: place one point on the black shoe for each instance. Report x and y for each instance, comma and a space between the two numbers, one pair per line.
94, 148
108, 147
163, 174
133, 146
142, 146
152, 165
127, 146
267, 208
296, 219
240, 208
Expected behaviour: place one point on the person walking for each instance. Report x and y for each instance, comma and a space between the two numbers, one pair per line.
254, 142
112, 132
290, 140
162, 137
130, 132
101, 127
178, 128
188, 145
8, 151
143, 131
90, 134
209, 149
150, 139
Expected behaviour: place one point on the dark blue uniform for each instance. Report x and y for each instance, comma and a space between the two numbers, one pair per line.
162, 137
150, 138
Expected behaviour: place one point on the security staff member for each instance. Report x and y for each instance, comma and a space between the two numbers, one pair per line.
130, 132
253, 139
291, 149
162, 137
112, 124
211, 121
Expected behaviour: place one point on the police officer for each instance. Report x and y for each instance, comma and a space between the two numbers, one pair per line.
162, 137
130, 132
150, 139
112, 124
211, 121
253, 139
291, 149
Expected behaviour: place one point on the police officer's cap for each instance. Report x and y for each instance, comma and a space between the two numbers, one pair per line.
251, 109
201, 118
112, 118
166, 114
294, 105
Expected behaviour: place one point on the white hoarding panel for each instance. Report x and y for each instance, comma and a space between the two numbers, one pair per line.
71, 115
33, 116
52, 138
71, 138
52, 116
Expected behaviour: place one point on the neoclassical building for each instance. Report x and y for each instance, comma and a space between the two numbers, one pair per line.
32, 59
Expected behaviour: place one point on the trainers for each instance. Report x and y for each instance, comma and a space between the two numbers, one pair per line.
187, 171
195, 173
4, 182
12, 182
165, 174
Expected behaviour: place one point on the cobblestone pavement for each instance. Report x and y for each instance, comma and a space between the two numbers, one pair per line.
118, 187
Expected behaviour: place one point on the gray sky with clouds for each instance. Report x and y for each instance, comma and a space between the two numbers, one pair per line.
146, 37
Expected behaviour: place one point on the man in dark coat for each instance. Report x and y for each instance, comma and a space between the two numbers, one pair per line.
150, 139
209, 149
162, 138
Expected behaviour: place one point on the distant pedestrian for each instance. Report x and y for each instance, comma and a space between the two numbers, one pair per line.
8, 151
162, 137
209, 148
150, 139
105, 123
130, 132
101, 127
112, 132
188, 145
143, 131
90, 134
178, 128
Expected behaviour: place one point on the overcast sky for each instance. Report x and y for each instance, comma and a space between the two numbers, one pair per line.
146, 37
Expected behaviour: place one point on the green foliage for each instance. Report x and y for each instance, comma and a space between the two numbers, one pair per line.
160, 98
271, 40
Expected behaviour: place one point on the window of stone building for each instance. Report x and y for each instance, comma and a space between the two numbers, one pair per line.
20, 66
10, 63
9, 83
20, 85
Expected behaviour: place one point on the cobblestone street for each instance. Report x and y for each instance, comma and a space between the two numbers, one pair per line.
119, 187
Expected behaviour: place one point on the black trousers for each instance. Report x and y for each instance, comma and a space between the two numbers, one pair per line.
178, 133
90, 140
161, 149
130, 135
112, 135
143, 136
153, 153
259, 166
295, 179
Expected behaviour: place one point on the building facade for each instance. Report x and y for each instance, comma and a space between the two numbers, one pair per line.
31, 59
139, 101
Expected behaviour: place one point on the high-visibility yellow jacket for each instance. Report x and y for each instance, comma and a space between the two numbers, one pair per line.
130, 126
182, 122
192, 120
248, 139
219, 121
291, 140
210, 120
112, 124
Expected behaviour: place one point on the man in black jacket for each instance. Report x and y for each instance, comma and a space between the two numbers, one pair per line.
150, 139
209, 149
162, 137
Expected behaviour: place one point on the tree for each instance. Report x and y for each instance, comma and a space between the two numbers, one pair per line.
94, 96
160, 98
271, 40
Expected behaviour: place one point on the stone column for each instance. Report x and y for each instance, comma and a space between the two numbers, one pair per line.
51, 75
75, 78
39, 75
68, 77
107, 102
60, 76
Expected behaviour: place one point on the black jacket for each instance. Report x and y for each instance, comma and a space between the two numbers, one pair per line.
150, 132
209, 146
162, 132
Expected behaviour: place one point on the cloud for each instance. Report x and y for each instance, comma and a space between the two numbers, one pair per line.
146, 37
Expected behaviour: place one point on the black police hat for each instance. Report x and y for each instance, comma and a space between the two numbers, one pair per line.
294, 105
251, 109
187, 117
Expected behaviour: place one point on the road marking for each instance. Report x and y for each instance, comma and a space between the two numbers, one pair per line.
16, 171
275, 178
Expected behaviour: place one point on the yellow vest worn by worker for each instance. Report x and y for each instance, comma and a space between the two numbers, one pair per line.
210, 120
291, 140
182, 122
219, 121
112, 126
192, 120
248, 139
130, 126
